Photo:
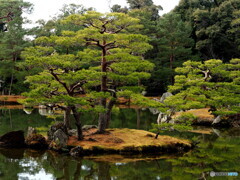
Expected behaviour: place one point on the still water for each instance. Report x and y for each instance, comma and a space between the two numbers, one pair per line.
217, 151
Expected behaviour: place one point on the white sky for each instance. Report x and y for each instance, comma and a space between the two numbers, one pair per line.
45, 9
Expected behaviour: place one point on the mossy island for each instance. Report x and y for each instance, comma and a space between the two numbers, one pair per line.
128, 141
113, 141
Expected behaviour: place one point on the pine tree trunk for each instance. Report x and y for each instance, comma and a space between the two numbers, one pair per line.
67, 114
102, 122
11, 83
78, 123
171, 67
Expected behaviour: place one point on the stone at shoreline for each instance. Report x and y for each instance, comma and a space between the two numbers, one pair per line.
31, 131
36, 141
59, 141
54, 128
217, 120
13, 139
72, 132
77, 151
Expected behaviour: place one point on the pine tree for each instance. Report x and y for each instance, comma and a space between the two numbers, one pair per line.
119, 56
209, 84
108, 64
12, 43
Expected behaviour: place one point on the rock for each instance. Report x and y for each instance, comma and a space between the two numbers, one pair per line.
217, 120
154, 111
31, 131
164, 96
162, 118
54, 128
36, 141
14, 139
217, 132
45, 111
28, 110
77, 151
72, 132
59, 141
87, 127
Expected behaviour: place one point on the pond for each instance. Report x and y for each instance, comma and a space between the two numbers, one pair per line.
217, 151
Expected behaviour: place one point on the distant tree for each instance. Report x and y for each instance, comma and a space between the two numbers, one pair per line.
174, 42
211, 21
209, 84
235, 30
148, 13
173, 46
119, 8
12, 42
145, 4
54, 26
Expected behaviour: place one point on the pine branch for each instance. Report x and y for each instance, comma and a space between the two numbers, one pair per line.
57, 79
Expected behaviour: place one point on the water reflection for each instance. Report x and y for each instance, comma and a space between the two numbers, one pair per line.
214, 153
15, 119
217, 151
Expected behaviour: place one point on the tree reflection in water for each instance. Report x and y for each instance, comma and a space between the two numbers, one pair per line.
217, 152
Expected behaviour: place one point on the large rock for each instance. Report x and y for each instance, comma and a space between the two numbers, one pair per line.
54, 128
36, 141
13, 139
59, 141
217, 120
164, 96
162, 118
72, 132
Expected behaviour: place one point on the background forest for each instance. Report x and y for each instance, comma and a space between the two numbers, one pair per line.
196, 30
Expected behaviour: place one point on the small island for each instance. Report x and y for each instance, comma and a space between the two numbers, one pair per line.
113, 141
128, 141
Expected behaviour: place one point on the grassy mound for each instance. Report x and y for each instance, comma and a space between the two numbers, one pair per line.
125, 141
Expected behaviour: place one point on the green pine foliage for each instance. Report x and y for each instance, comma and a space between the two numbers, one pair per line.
12, 43
106, 63
211, 22
209, 84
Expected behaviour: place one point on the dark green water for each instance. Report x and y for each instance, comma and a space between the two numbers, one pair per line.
218, 152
